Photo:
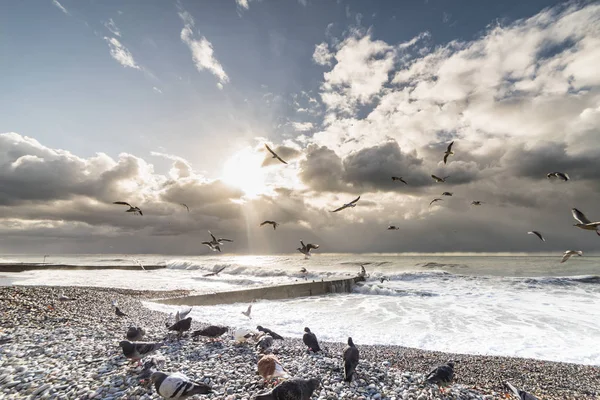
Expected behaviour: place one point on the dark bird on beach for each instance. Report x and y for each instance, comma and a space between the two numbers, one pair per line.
138, 350
270, 332
186, 207
135, 334
119, 312
399, 178
447, 194
536, 233
293, 389
438, 179
269, 367
560, 175
275, 224
181, 326
392, 228
305, 249
584, 222
520, 394
448, 152
212, 331
435, 201
152, 364
347, 205
216, 272
177, 386
134, 210
310, 340
351, 356
274, 154
442, 375
264, 343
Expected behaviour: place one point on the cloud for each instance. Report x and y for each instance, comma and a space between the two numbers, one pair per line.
202, 50
112, 27
302, 126
322, 56
60, 7
120, 53
243, 3
157, 90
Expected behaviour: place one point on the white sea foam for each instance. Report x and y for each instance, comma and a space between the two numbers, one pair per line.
516, 306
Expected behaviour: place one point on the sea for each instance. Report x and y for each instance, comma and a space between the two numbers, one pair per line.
520, 305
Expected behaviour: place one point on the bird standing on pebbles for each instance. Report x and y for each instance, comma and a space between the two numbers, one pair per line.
310, 340
135, 334
181, 326
177, 386
269, 368
520, 394
119, 312
137, 351
294, 389
242, 335
270, 332
264, 343
351, 356
442, 375
212, 331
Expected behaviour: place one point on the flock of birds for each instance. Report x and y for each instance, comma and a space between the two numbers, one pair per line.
178, 386
215, 243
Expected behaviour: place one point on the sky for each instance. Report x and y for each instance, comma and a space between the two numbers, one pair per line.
164, 103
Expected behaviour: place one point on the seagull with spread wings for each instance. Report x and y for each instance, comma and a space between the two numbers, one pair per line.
305, 249
274, 154
584, 222
186, 207
570, 253
438, 179
536, 233
448, 152
399, 178
275, 224
351, 204
560, 175
435, 201
134, 210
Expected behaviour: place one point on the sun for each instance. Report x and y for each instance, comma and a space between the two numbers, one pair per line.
243, 170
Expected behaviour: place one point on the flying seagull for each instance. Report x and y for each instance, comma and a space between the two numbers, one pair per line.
392, 228
440, 180
399, 178
476, 203
351, 204
296, 389
305, 249
441, 375
216, 272
585, 223
248, 311
177, 386
138, 262
134, 210
310, 340
447, 194
520, 394
138, 350
269, 367
435, 200
270, 332
219, 240
212, 246
275, 224
570, 253
185, 205
448, 152
536, 233
351, 356
274, 154
560, 175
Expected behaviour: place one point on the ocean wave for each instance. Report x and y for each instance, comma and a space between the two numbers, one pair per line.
376, 290
440, 265
564, 280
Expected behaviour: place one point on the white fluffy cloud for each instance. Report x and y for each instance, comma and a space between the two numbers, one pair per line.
202, 50
112, 27
322, 55
120, 53
60, 7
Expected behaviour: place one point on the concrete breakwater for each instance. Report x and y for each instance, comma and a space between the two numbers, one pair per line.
279, 292
41, 266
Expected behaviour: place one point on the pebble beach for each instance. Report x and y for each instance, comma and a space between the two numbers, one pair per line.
51, 349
